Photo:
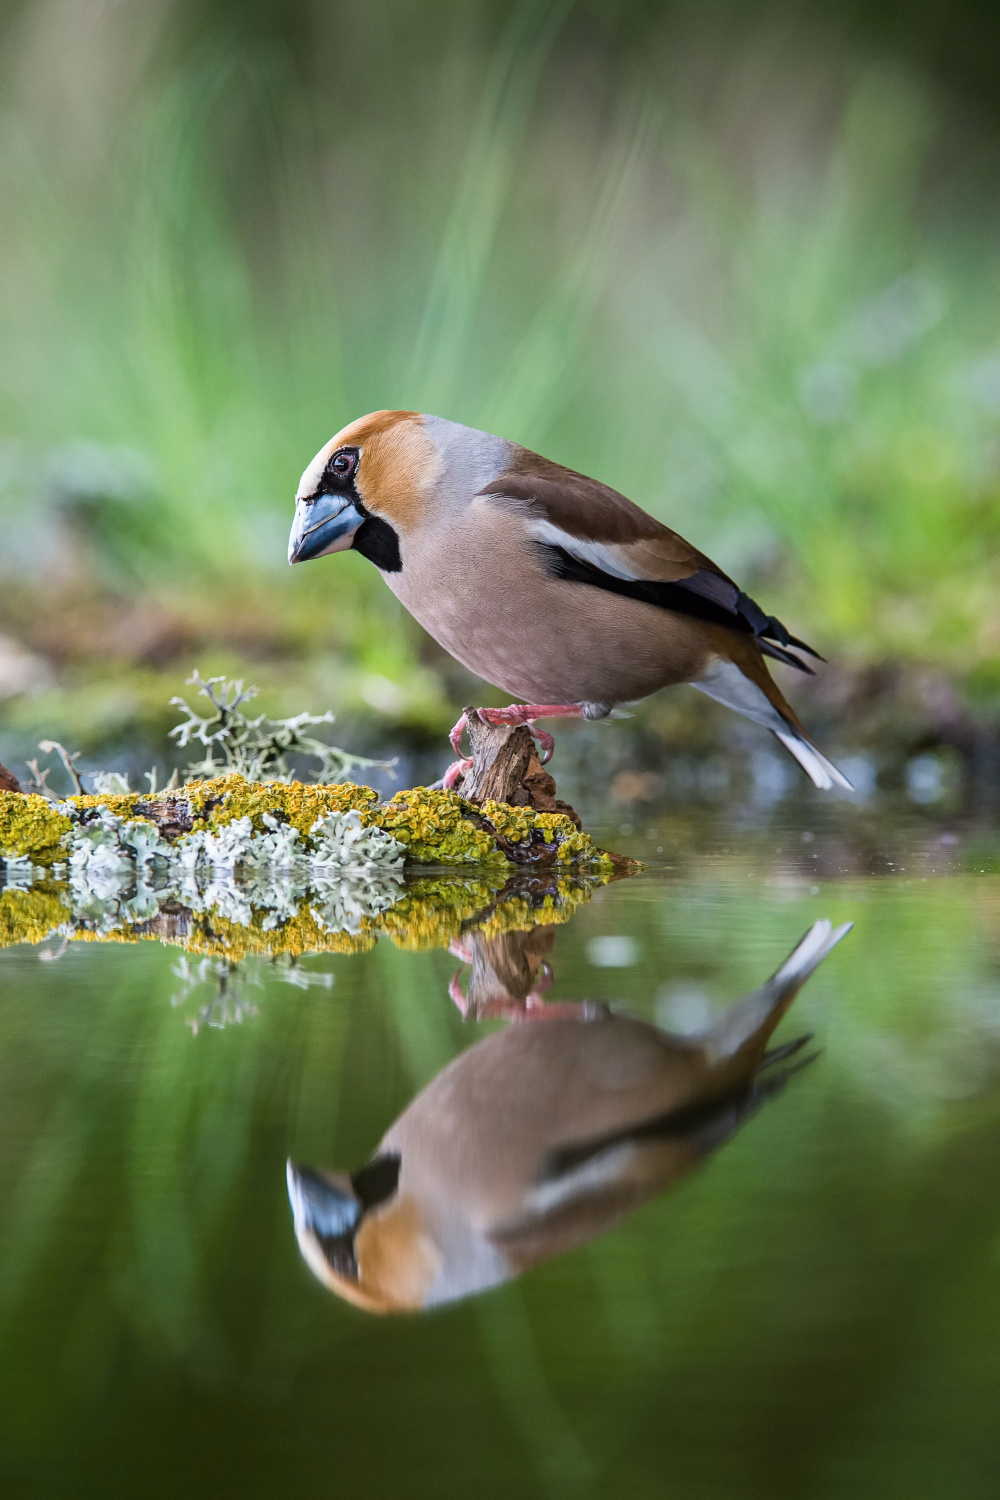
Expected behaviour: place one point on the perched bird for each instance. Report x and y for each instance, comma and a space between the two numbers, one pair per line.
546, 583
535, 1141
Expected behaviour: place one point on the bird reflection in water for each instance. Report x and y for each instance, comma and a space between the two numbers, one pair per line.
541, 1137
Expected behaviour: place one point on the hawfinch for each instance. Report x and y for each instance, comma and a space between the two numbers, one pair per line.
546, 583
535, 1141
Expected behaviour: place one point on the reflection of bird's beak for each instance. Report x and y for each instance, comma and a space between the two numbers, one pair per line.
322, 1202
326, 524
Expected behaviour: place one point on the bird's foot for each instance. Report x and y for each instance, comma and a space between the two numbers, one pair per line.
455, 737
534, 1006
542, 983
458, 768
455, 772
457, 995
517, 714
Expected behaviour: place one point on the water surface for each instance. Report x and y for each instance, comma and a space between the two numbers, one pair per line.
811, 1311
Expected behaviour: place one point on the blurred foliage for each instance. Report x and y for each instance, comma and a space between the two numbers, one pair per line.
741, 264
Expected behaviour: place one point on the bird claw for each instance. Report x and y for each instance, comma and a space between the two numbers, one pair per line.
456, 734
455, 772
542, 983
517, 715
521, 715
546, 743
458, 995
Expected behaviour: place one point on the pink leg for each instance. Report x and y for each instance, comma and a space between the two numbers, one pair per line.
521, 1011
458, 768
456, 734
455, 772
552, 1010
457, 993
527, 713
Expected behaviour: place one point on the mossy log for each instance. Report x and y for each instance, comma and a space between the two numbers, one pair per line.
506, 768
426, 826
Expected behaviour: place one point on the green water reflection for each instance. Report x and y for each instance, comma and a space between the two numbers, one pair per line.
811, 1312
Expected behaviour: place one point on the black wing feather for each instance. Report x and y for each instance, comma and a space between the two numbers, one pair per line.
704, 595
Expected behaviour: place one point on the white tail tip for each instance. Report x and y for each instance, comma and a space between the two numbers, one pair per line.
822, 772
820, 940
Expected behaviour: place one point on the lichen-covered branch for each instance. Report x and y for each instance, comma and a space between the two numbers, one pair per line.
279, 866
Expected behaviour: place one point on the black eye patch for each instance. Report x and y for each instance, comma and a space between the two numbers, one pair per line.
338, 476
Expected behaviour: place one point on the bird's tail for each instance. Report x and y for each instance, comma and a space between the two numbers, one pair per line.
748, 687
748, 1023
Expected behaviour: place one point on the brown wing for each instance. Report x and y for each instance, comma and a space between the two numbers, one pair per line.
594, 512
589, 533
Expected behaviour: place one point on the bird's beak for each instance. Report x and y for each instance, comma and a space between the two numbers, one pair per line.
326, 524
324, 1203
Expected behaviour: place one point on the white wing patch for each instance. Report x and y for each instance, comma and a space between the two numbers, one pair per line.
594, 553
600, 1171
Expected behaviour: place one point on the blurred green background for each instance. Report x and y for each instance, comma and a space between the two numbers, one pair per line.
738, 260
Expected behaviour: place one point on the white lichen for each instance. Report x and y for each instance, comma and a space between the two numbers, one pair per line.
121, 871
19, 872
259, 748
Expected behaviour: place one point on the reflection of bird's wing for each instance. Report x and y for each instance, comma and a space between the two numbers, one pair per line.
584, 1184
588, 533
479, 1134
584, 1187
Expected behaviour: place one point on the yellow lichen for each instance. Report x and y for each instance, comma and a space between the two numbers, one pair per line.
215, 936
291, 802
122, 804
518, 823
435, 830
29, 916
436, 827
226, 798
31, 826
219, 936
518, 914
431, 912
125, 934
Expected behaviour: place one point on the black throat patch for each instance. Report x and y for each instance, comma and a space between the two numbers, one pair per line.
376, 540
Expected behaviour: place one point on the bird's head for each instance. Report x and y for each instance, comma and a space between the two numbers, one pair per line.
361, 1237
382, 478
364, 489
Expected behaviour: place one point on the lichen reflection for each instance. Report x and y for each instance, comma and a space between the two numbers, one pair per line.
541, 1137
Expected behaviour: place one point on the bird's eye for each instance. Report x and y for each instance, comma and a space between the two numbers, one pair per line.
343, 465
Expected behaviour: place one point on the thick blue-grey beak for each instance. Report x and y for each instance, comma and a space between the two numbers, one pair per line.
326, 524
321, 1204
